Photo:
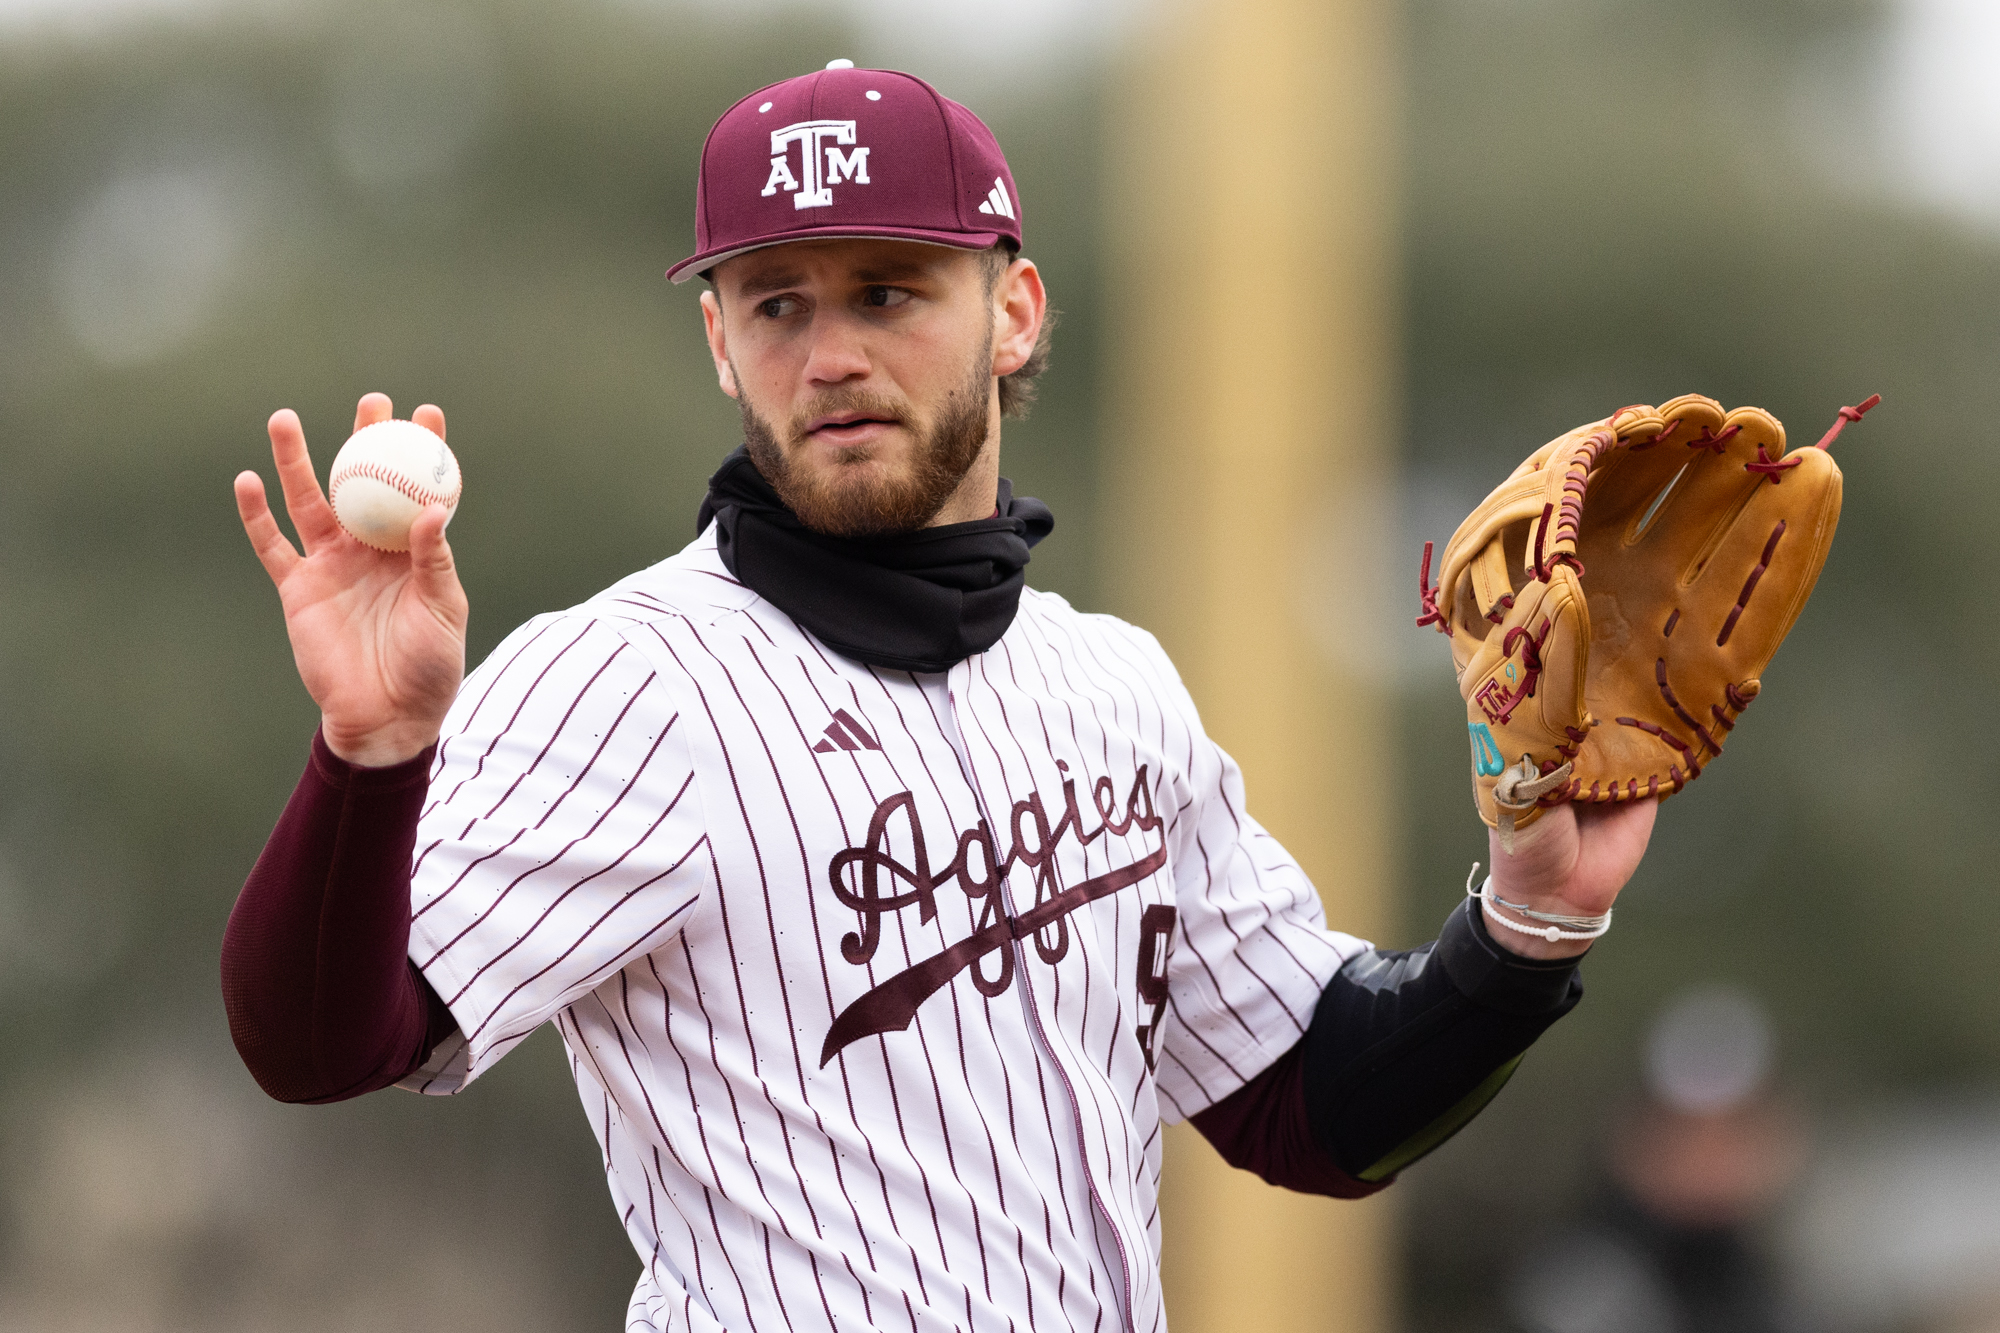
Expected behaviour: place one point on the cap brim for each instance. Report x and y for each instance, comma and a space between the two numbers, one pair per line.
698, 264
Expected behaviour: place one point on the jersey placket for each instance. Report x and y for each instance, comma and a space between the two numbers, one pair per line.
958, 681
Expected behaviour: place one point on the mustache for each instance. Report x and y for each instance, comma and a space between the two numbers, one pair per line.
835, 402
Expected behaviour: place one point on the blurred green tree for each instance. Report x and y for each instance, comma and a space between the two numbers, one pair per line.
204, 220
1610, 202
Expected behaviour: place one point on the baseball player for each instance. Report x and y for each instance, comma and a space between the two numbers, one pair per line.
888, 907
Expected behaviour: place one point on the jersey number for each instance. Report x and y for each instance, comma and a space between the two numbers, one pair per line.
1156, 938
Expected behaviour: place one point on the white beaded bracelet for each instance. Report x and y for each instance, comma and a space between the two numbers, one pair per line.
1586, 927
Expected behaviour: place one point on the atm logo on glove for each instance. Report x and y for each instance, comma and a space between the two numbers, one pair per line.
1496, 701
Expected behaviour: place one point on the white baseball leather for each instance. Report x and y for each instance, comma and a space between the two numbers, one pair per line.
384, 476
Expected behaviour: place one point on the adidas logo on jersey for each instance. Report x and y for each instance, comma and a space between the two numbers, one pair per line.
997, 200
845, 734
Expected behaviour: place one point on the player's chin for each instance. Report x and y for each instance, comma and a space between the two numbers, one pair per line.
863, 500
884, 460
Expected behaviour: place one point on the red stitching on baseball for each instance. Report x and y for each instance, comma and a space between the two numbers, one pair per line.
395, 481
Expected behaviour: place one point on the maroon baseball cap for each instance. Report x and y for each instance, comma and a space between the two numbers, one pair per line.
848, 152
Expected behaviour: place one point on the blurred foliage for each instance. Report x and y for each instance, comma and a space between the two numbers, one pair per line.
200, 223
1613, 202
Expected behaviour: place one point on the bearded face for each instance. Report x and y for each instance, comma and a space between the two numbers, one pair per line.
867, 371
874, 489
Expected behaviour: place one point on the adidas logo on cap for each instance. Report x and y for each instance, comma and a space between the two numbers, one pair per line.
997, 201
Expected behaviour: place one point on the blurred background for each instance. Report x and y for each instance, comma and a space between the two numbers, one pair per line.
1779, 1107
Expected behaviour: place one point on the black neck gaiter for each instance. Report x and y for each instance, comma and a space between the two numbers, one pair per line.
919, 602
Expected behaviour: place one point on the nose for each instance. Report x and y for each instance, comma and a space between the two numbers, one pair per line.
839, 353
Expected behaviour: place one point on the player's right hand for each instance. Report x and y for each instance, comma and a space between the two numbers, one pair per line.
379, 637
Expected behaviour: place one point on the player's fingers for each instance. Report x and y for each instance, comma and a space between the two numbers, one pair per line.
1625, 827
273, 551
432, 568
1612, 839
372, 408
431, 417
304, 501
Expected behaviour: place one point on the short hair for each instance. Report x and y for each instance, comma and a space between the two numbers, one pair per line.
1017, 390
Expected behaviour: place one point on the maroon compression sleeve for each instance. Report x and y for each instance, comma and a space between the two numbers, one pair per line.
1262, 1128
323, 1001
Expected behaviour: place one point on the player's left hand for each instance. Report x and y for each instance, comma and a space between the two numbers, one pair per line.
1572, 860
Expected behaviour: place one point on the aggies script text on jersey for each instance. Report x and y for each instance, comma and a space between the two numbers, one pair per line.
879, 1033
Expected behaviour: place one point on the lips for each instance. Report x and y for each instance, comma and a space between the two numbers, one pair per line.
834, 419
849, 427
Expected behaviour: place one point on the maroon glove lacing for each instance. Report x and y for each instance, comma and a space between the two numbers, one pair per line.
1427, 597
1531, 665
1771, 467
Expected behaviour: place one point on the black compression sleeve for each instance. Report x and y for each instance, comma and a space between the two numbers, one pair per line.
1405, 1048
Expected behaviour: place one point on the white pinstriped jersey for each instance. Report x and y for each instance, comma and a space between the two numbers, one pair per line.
877, 987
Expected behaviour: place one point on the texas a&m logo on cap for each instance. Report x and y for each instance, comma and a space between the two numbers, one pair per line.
846, 154
814, 137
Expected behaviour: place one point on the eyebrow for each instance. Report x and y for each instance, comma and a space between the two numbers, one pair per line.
763, 284
778, 280
893, 271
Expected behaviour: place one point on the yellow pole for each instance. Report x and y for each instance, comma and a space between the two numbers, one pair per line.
1253, 389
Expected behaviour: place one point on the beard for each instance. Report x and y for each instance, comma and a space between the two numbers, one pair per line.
855, 495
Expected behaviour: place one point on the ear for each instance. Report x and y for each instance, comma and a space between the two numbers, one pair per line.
718, 342
1019, 306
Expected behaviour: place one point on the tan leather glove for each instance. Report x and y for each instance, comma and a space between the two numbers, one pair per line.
1612, 604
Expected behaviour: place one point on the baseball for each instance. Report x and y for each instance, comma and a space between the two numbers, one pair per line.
384, 476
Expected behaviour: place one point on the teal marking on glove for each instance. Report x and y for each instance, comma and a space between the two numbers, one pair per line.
1486, 760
